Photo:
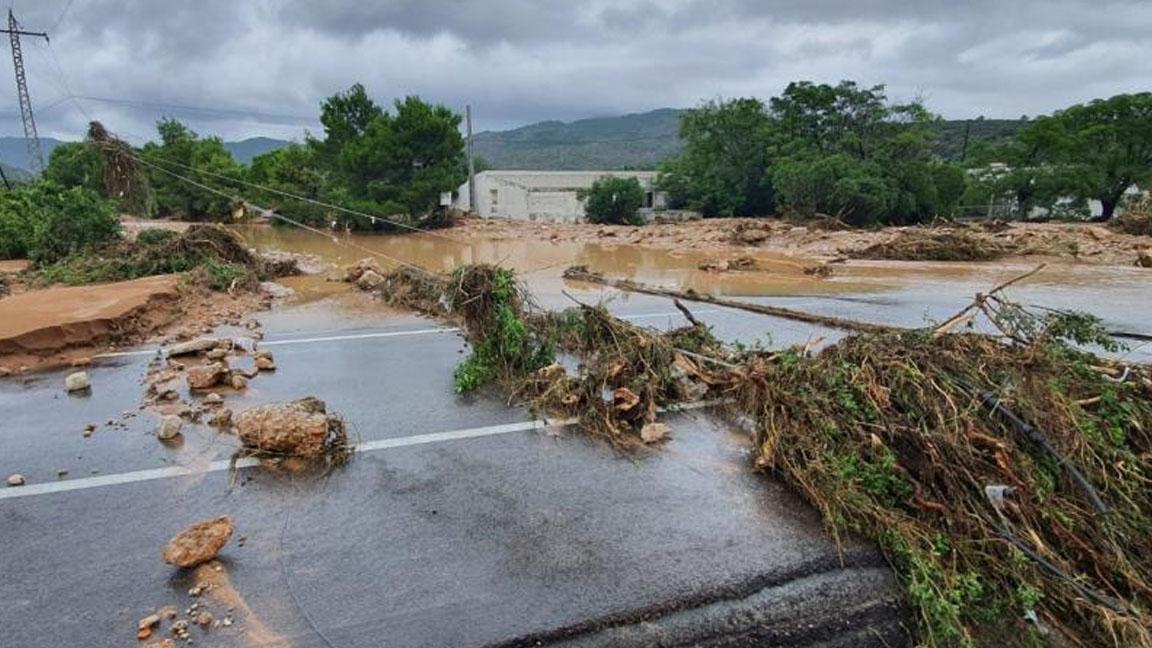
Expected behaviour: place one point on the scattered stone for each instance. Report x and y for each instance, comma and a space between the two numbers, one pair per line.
1144, 258
216, 354
180, 628
167, 612
265, 363
751, 235
169, 428
169, 395
16, 479
653, 432
370, 280
198, 543
204, 618
89, 429
221, 419
239, 383
213, 399
148, 622
193, 346
743, 263
354, 272
63, 472
226, 622
206, 376
78, 381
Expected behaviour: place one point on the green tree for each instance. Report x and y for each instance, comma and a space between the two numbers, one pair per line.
186, 153
1106, 144
76, 164
45, 222
723, 170
293, 169
346, 117
404, 161
613, 200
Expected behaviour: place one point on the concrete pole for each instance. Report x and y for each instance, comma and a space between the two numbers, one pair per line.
471, 163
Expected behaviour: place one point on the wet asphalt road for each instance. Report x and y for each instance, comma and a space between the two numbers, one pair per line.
507, 538
513, 535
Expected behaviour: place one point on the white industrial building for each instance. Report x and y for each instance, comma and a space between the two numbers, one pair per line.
546, 195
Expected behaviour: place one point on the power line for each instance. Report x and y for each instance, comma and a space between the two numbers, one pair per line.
60, 19
227, 112
272, 214
313, 201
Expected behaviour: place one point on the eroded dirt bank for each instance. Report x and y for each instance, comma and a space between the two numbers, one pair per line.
69, 324
1077, 242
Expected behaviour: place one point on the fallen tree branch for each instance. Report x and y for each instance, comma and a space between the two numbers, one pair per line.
581, 273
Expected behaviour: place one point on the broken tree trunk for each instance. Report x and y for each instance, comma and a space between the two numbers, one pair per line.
581, 273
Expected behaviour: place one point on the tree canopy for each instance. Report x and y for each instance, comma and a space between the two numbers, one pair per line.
614, 200
844, 150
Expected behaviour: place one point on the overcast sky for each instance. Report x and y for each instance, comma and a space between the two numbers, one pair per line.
261, 67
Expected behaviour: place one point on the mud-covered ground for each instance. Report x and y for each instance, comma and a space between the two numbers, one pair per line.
1078, 242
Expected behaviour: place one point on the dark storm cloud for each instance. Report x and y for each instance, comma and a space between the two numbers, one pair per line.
262, 66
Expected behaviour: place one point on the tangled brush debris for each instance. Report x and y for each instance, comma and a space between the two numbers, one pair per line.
936, 244
215, 255
1137, 217
1007, 477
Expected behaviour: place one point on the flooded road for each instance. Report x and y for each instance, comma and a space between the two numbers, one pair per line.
907, 294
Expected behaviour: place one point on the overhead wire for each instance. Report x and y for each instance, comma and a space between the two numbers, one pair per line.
272, 214
313, 201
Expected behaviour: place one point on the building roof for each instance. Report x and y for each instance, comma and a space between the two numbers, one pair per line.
559, 179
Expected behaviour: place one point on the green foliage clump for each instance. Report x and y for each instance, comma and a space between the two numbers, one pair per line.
491, 303
155, 236
182, 151
613, 200
46, 223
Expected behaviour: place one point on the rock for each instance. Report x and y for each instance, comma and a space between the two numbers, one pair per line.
204, 618
213, 399
169, 428
16, 479
147, 622
216, 354
1144, 258
751, 236
169, 395
221, 419
354, 272
239, 383
265, 363
300, 428
193, 346
206, 376
198, 543
370, 280
78, 381
653, 432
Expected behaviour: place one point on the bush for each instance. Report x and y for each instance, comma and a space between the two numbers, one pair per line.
46, 223
614, 201
15, 209
155, 236
68, 221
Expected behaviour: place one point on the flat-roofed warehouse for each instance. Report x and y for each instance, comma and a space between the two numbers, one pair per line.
550, 196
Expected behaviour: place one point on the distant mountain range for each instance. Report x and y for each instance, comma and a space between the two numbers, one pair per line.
14, 151
635, 141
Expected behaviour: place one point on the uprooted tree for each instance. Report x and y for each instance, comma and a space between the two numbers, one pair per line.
1005, 475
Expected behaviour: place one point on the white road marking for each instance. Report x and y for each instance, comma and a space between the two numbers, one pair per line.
368, 336
168, 472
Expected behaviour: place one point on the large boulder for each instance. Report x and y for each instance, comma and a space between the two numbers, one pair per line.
370, 280
300, 428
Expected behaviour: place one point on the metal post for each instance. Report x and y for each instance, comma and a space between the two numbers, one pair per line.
35, 155
472, 202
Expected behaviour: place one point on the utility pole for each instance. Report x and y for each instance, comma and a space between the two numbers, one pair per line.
471, 163
31, 138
